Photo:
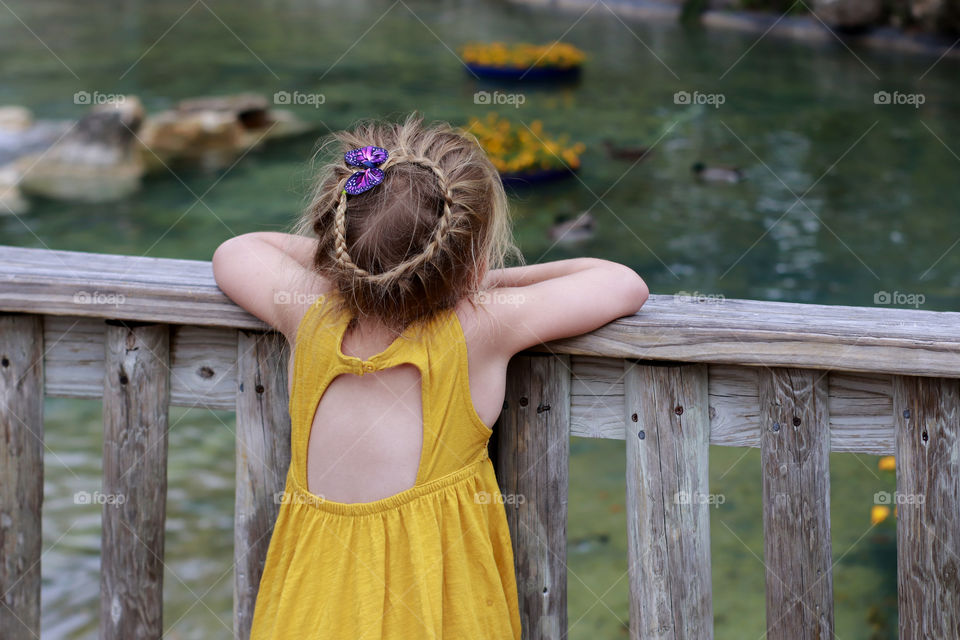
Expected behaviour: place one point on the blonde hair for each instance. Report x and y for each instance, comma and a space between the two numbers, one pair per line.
419, 242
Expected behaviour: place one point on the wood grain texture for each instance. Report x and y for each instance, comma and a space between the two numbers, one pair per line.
750, 332
533, 451
263, 458
928, 507
115, 286
745, 332
21, 473
795, 448
861, 405
136, 394
668, 502
204, 360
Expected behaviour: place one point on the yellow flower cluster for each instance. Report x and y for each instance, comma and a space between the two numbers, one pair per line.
522, 149
523, 55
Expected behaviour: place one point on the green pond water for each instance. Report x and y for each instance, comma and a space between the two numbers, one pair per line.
878, 213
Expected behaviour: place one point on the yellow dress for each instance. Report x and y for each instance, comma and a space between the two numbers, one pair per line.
433, 561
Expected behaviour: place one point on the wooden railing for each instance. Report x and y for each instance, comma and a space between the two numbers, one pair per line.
797, 381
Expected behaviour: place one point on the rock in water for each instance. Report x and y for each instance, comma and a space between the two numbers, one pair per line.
215, 130
97, 160
14, 118
20, 134
937, 16
11, 200
850, 15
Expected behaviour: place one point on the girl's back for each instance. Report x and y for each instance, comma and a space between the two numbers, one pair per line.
367, 433
392, 524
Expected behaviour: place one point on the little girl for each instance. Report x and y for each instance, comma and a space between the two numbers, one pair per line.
402, 320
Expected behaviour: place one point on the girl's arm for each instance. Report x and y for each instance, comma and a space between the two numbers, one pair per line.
561, 299
300, 248
530, 274
269, 275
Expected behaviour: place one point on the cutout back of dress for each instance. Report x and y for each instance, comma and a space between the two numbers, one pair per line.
355, 422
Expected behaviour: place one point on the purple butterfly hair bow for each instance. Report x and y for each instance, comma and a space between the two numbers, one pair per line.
369, 158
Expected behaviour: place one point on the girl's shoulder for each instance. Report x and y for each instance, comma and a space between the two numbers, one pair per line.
482, 329
295, 304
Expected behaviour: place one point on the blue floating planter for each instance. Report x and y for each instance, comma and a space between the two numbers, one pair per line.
524, 178
534, 74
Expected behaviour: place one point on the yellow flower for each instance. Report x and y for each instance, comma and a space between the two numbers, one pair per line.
887, 463
879, 513
516, 149
523, 55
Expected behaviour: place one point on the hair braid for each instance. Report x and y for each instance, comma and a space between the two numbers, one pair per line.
432, 237
439, 236
340, 232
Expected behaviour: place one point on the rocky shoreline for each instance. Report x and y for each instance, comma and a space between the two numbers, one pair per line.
808, 27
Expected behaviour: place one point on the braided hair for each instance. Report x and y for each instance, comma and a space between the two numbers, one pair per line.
422, 240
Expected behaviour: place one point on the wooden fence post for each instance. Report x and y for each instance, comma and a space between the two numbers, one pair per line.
795, 447
21, 473
136, 394
533, 451
668, 504
263, 457
927, 414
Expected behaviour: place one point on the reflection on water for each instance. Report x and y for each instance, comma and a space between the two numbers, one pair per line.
198, 558
842, 198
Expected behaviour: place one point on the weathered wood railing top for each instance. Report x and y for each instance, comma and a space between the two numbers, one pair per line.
680, 328
797, 381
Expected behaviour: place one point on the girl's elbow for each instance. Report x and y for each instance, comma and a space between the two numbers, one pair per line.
226, 255
638, 295
633, 290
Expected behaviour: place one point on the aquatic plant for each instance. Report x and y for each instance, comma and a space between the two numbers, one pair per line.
522, 55
515, 149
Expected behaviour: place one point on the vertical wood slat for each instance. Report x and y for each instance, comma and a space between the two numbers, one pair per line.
668, 519
927, 414
795, 447
263, 458
136, 394
21, 473
533, 451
